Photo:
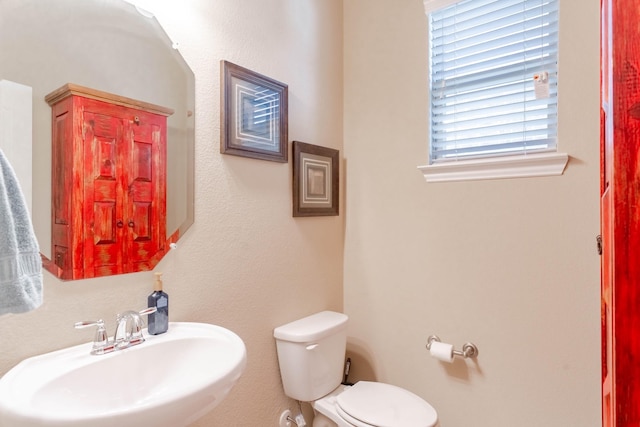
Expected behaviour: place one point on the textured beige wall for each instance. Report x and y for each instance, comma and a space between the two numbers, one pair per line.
509, 264
246, 264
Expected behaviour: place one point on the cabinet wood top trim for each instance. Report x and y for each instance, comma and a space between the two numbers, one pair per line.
70, 89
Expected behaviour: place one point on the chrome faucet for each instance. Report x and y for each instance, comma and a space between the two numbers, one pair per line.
129, 328
128, 331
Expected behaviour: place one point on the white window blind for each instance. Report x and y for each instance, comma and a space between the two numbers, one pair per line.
484, 56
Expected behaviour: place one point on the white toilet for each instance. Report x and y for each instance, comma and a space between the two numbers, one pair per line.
311, 353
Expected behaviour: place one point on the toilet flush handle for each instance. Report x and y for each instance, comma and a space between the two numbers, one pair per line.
311, 346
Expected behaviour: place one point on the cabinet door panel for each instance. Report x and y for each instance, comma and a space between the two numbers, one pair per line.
141, 225
105, 223
105, 158
62, 172
142, 161
146, 192
102, 195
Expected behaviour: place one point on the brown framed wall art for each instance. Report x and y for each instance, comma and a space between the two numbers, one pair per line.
315, 180
253, 114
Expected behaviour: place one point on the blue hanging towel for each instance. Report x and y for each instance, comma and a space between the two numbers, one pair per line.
20, 262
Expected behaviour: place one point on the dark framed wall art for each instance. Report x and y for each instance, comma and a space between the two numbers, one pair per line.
315, 180
253, 114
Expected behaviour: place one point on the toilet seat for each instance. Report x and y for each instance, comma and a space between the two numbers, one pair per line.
369, 404
352, 421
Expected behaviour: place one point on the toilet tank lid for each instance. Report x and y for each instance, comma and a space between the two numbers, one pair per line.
312, 328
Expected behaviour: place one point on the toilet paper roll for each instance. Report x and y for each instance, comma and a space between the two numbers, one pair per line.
442, 351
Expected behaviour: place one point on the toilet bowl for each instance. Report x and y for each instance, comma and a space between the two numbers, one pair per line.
311, 354
373, 404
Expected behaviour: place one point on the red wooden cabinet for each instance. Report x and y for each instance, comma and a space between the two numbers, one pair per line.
108, 211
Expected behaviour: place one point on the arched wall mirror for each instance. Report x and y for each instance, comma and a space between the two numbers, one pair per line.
110, 46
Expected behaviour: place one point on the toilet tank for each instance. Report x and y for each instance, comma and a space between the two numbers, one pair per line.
311, 354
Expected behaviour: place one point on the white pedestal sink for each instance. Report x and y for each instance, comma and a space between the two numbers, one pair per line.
170, 380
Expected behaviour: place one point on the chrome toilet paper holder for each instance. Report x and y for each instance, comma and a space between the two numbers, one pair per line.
469, 349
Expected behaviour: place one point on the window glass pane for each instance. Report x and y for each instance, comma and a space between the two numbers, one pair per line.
493, 78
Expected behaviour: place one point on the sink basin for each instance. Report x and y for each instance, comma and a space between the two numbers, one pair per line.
170, 380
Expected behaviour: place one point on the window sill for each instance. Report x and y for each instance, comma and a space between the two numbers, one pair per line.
547, 164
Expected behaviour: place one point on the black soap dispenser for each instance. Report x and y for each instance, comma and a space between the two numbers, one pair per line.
158, 321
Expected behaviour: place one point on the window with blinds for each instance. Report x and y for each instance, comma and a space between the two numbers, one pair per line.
493, 78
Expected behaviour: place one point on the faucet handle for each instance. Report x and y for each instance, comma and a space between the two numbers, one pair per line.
136, 333
101, 339
87, 323
149, 310
133, 313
